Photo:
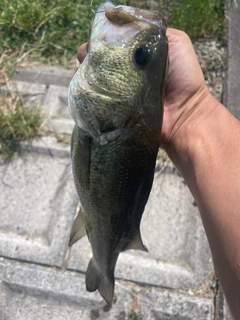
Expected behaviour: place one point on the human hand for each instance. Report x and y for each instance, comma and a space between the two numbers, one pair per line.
185, 87
82, 52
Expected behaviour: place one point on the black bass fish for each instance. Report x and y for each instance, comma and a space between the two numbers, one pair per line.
115, 98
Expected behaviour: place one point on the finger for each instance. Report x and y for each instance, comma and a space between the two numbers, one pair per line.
83, 49
82, 52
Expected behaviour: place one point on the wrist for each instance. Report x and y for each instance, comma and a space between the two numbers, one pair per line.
190, 133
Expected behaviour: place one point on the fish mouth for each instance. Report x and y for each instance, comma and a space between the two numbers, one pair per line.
121, 15
118, 25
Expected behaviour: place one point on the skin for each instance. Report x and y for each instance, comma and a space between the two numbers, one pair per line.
201, 137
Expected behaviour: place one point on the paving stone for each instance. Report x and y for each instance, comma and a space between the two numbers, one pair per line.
167, 305
41, 293
59, 126
37, 204
33, 292
233, 79
56, 102
53, 100
45, 74
179, 255
55, 108
32, 92
47, 146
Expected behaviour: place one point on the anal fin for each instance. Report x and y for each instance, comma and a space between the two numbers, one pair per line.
136, 244
78, 228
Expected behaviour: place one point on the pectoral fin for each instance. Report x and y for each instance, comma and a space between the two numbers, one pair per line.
136, 244
78, 228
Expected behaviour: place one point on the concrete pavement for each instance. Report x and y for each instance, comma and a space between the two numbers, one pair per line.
38, 201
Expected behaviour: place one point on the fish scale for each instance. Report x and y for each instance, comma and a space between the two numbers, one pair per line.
115, 71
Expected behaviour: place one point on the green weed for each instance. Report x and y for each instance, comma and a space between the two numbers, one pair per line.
18, 122
200, 18
54, 29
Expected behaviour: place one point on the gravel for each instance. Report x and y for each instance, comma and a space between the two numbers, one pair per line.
213, 61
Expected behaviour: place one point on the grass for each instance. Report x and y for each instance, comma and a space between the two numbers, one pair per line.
18, 122
201, 18
50, 32
56, 28
53, 29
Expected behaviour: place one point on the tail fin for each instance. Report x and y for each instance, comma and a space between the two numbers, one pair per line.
95, 280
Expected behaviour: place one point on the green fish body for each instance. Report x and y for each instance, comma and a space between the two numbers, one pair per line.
115, 99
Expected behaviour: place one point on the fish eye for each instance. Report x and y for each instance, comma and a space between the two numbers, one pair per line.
142, 55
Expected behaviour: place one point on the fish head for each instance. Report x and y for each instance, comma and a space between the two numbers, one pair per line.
121, 79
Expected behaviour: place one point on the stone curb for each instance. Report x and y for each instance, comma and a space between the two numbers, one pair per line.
33, 292
45, 74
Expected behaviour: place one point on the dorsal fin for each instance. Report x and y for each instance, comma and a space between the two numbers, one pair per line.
78, 228
136, 244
